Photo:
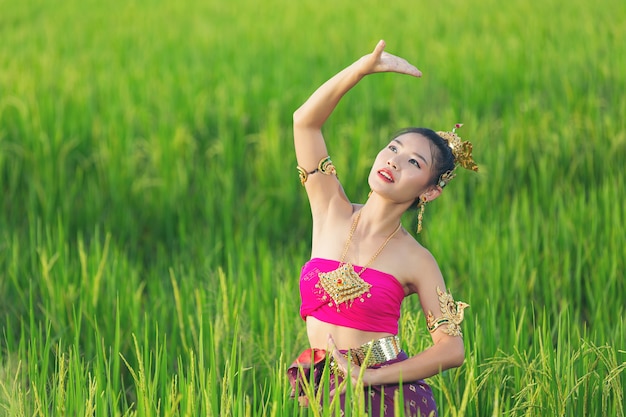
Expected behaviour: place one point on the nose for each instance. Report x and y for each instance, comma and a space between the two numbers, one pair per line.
392, 163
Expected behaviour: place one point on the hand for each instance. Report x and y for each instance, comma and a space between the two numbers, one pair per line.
343, 365
381, 61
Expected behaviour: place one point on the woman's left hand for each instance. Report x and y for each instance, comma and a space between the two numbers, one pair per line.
348, 369
381, 61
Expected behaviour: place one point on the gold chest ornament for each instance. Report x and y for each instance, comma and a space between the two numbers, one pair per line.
344, 284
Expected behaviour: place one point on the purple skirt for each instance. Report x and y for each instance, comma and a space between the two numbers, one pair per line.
417, 396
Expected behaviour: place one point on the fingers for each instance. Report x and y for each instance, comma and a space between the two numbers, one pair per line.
381, 61
345, 369
409, 69
331, 343
397, 64
332, 347
340, 364
340, 361
386, 62
380, 47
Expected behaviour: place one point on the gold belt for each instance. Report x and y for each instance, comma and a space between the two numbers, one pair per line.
375, 352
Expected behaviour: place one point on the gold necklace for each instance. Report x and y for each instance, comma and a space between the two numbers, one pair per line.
344, 284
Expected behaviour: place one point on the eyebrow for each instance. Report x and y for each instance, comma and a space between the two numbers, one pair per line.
416, 154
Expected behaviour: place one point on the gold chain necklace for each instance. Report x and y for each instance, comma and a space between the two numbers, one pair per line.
344, 284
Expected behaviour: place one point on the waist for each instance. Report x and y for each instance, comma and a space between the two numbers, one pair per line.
345, 337
375, 352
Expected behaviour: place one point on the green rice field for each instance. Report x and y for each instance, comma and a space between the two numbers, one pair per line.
152, 225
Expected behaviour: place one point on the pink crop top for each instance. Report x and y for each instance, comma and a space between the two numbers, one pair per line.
378, 313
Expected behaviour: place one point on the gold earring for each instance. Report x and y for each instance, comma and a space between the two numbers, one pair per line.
420, 215
369, 194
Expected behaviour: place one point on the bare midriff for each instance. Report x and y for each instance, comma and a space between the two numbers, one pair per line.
344, 337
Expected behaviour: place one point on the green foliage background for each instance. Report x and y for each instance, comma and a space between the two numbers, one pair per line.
152, 225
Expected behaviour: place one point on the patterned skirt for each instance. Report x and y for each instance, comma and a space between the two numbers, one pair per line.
308, 368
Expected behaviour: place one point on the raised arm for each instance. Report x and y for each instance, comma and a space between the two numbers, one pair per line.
311, 116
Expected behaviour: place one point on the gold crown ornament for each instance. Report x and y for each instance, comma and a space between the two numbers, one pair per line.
462, 152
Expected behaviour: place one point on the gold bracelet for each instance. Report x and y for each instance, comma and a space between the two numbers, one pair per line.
325, 166
451, 315
433, 323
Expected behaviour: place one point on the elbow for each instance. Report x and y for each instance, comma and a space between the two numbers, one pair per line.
453, 350
303, 118
298, 117
458, 359
457, 354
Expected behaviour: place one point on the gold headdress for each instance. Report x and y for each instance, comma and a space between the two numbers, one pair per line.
462, 152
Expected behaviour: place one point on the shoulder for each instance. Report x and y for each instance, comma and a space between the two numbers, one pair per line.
417, 254
420, 268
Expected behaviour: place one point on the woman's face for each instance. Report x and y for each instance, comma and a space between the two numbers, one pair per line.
402, 170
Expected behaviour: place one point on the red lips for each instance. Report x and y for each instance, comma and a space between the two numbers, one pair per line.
386, 175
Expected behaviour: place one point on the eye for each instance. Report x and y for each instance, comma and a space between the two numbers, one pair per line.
393, 149
414, 162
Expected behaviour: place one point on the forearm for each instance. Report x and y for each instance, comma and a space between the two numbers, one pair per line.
319, 106
447, 354
308, 120
312, 115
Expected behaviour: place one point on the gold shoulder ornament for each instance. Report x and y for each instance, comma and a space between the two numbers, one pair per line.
451, 315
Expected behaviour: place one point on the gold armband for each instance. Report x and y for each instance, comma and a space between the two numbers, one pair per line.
325, 166
451, 315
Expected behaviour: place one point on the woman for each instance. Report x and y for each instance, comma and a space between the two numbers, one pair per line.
363, 263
